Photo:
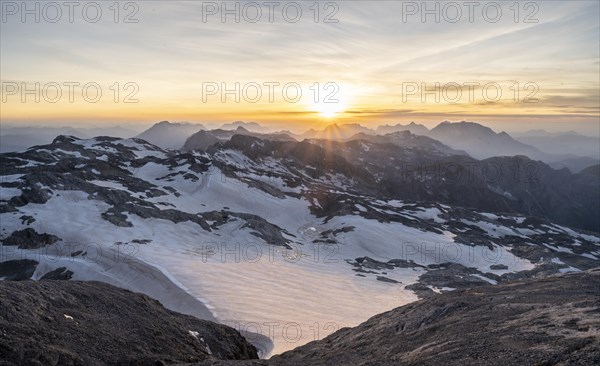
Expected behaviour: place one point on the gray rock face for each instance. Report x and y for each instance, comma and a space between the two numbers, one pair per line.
200, 141
17, 270
263, 229
29, 239
91, 323
455, 276
61, 273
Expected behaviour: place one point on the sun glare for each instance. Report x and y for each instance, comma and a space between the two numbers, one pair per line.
329, 110
330, 107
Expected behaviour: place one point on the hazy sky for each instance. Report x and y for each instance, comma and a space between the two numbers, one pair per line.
378, 56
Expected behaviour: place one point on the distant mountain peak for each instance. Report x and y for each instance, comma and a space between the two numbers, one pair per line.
482, 142
412, 127
170, 135
464, 126
175, 124
241, 129
248, 126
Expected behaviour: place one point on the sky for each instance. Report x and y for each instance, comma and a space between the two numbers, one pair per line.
533, 65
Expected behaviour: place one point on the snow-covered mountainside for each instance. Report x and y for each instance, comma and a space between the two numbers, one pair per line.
286, 239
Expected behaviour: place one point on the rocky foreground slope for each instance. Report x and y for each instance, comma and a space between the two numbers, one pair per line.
549, 321
92, 323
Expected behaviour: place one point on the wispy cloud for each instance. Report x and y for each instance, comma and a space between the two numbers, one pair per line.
170, 52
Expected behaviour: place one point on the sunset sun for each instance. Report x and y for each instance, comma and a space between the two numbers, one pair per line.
332, 103
328, 110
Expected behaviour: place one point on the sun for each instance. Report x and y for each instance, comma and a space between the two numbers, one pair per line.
328, 100
329, 110
330, 107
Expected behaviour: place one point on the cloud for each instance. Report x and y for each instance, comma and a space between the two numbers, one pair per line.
171, 51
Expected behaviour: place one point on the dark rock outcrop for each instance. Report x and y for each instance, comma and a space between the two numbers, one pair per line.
91, 323
17, 270
200, 141
29, 239
61, 273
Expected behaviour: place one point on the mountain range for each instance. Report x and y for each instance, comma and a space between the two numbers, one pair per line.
562, 143
559, 150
